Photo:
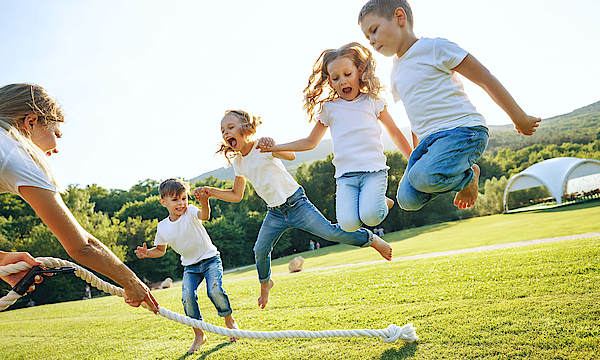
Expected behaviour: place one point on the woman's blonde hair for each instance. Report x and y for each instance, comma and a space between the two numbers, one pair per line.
19, 100
249, 125
320, 91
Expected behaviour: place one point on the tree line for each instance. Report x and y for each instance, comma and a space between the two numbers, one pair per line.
125, 219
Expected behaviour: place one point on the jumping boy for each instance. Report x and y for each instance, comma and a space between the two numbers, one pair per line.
183, 230
451, 134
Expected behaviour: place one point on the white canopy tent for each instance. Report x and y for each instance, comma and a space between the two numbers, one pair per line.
563, 175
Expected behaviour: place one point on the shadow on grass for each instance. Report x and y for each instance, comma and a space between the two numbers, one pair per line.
205, 354
404, 352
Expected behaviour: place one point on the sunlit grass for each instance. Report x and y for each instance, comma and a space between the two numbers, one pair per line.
532, 302
481, 231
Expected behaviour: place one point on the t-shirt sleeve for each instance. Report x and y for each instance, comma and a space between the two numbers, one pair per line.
159, 239
378, 106
18, 169
323, 116
448, 55
237, 166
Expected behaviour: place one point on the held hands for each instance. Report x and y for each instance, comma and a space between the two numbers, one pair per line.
527, 125
202, 193
266, 144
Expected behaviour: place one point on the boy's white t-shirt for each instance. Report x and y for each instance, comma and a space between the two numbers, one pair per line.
187, 237
267, 175
17, 168
355, 134
432, 93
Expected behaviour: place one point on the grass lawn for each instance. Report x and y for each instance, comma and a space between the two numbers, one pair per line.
531, 302
481, 231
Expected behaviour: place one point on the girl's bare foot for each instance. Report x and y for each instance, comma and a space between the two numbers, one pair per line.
230, 323
383, 247
198, 341
389, 202
467, 196
264, 293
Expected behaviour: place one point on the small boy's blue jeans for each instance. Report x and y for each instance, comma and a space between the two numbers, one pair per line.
298, 212
210, 269
360, 199
441, 163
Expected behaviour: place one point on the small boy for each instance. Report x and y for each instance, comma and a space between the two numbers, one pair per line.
183, 230
451, 134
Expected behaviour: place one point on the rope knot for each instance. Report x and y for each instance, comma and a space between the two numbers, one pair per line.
406, 333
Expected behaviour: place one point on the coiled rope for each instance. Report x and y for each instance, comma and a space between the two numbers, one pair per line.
390, 334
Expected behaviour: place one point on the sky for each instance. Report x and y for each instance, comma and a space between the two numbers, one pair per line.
145, 83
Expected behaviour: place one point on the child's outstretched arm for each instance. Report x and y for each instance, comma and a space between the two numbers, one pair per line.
204, 213
143, 252
397, 136
473, 70
305, 144
265, 144
234, 194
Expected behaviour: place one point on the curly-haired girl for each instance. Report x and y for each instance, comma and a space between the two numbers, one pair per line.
343, 94
288, 206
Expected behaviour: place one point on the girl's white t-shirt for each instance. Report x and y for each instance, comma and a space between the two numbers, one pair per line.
355, 134
433, 95
267, 175
187, 236
17, 168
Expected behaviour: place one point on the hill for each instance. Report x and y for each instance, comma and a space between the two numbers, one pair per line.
579, 126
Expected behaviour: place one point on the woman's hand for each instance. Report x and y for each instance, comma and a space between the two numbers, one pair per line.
7, 258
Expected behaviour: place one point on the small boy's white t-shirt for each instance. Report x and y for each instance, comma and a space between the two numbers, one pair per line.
267, 175
433, 95
17, 168
355, 134
187, 236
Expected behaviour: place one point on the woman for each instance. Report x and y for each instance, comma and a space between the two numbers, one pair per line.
30, 121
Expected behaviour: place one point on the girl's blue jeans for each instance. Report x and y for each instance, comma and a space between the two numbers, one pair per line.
298, 212
210, 269
441, 163
360, 199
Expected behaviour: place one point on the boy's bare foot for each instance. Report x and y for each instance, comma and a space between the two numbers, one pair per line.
198, 341
467, 196
389, 202
383, 247
264, 293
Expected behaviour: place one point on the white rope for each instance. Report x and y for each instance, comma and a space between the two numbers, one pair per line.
389, 335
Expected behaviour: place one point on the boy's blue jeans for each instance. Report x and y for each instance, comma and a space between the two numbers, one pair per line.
360, 199
210, 269
298, 212
441, 163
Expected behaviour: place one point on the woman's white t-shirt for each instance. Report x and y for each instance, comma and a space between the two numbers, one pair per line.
17, 168
267, 175
355, 134
187, 236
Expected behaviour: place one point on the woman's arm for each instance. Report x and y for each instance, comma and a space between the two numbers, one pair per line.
234, 194
397, 137
83, 247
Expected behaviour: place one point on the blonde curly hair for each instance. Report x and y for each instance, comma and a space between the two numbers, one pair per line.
320, 91
249, 123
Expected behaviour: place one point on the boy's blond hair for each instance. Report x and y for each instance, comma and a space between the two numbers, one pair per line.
173, 186
319, 90
386, 9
